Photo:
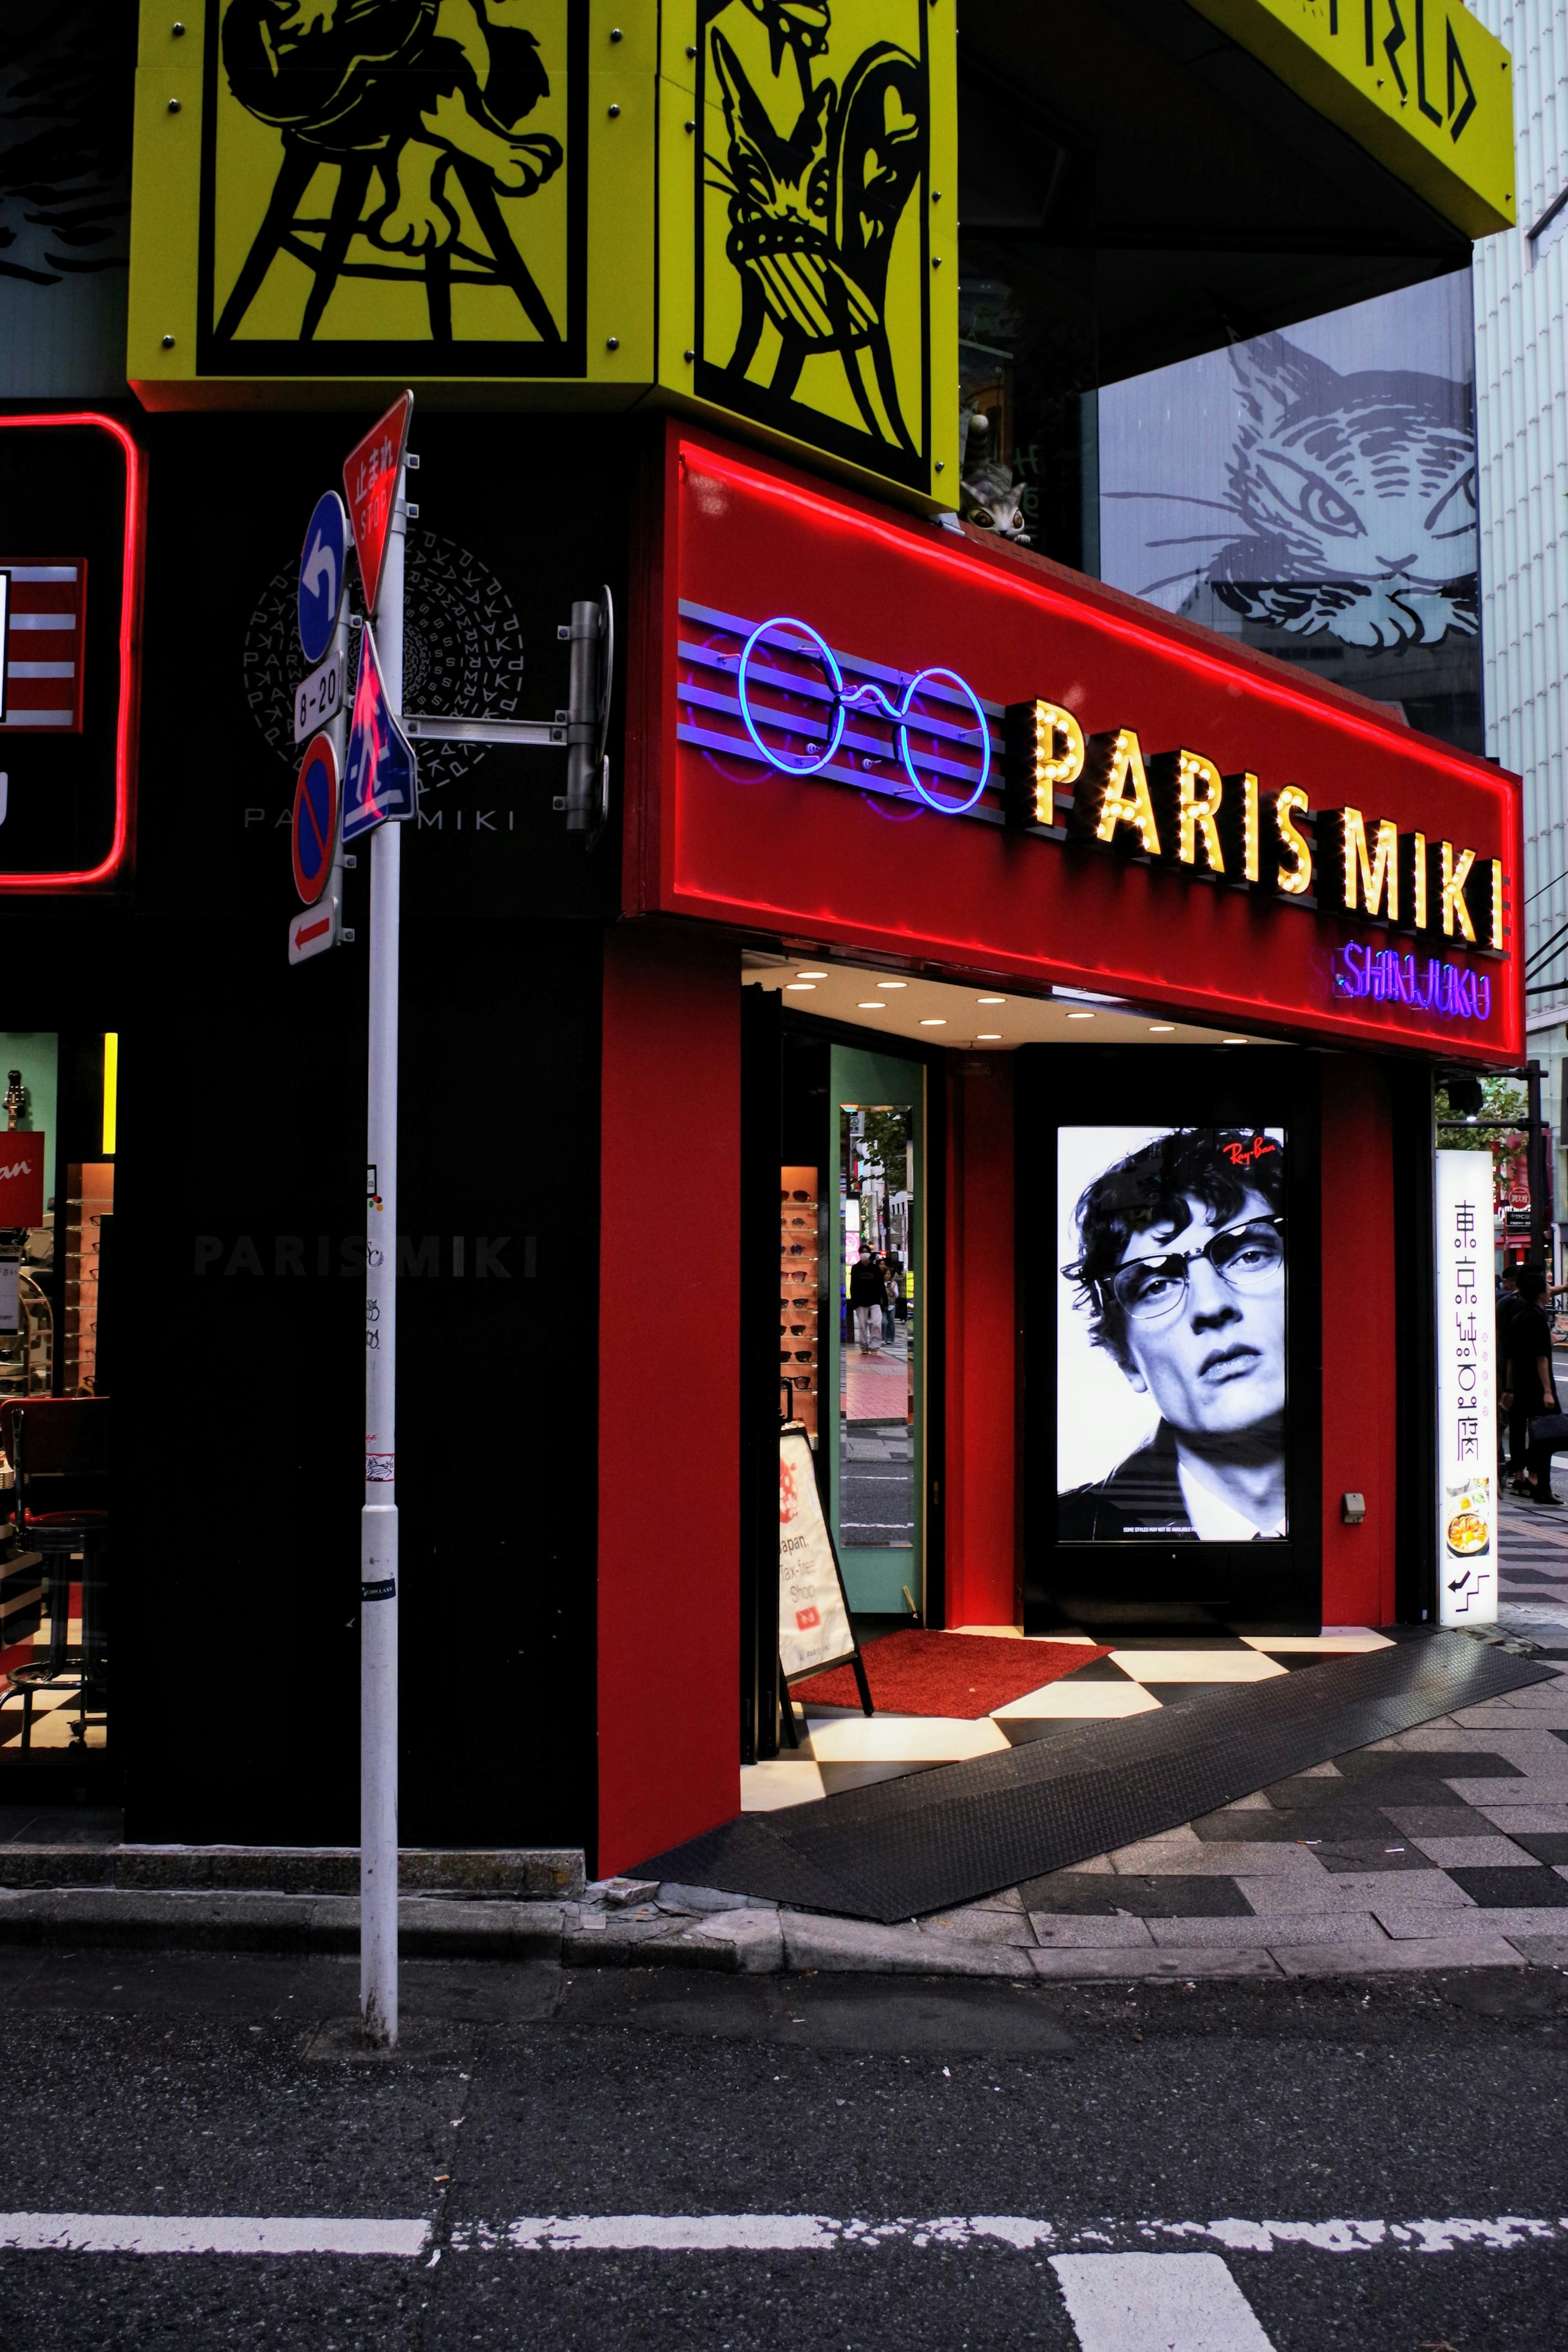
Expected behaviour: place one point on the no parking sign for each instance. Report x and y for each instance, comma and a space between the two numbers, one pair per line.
315, 834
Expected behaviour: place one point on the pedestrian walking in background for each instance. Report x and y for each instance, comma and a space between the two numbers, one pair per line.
1508, 1304
1528, 1389
868, 1291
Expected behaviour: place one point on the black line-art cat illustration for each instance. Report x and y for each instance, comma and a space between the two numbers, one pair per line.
817, 176
1356, 497
419, 93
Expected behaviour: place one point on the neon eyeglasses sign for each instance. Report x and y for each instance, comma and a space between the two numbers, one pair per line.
776, 692
870, 697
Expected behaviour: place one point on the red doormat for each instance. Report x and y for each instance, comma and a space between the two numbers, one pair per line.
965, 1675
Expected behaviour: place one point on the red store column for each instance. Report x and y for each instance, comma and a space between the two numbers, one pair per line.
1360, 1344
669, 1382
982, 1331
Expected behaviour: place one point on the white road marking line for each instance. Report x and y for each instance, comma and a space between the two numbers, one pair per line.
330, 2233
208, 2234
573, 2234
1156, 2303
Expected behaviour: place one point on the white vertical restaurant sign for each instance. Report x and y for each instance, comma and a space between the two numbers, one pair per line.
1467, 1391
813, 1623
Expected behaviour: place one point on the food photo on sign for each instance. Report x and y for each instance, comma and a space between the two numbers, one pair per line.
1171, 1387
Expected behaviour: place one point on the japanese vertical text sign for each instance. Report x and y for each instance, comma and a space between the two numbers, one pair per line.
1467, 1391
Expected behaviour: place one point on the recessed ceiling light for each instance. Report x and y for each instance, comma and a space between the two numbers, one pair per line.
893, 983
990, 999
1161, 1028
810, 975
1235, 1041
872, 1004
1080, 1016
934, 1021
989, 1037
805, 987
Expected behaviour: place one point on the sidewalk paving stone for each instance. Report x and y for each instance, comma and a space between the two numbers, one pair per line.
1215, 1859
1465, 1926
1276, 1928
1277, 1898
1165, 1895
1085, 1933
1375, 1960
1474, 1852
977, 1926
1543, 1951
1190, 1962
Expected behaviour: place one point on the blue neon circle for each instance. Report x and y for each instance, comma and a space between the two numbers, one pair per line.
944, 808
835, 678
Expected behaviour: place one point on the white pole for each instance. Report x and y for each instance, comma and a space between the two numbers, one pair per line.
378, 1524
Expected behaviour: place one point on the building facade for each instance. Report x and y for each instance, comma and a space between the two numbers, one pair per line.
1523, 446
1007, 963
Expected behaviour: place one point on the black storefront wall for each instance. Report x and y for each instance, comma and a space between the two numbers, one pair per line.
240, 1212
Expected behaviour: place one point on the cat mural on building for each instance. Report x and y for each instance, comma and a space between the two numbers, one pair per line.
1324, 514
811, 272
1357, 496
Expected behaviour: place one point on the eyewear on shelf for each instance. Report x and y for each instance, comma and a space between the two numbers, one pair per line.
1248, 1258
802, 1355
796, 1379
797, 1195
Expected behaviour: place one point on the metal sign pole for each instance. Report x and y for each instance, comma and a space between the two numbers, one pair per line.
378, 1526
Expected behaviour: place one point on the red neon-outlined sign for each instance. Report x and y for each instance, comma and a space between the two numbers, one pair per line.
93, 877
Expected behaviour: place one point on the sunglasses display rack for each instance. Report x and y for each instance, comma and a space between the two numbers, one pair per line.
798, 1249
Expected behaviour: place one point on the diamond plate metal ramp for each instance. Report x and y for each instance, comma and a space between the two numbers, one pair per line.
951, 1834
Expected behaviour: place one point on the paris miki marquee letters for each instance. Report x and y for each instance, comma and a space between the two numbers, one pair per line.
929, 737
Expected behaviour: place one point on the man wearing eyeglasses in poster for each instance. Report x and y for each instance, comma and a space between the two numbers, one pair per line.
1181, 1272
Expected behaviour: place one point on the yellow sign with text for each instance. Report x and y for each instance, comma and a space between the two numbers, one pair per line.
742, 207
1420, 84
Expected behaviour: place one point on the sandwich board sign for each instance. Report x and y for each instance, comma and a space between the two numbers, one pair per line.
814, 1628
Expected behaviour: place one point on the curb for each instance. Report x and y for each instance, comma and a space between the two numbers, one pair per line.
754, 1940
514, 1874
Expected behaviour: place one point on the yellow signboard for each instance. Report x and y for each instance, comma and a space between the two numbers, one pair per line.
808, 262
1420, 84
529, 202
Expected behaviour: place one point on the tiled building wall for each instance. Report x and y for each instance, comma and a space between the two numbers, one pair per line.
1522, 400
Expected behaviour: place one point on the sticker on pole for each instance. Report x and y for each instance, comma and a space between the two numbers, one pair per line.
315, 819
380, 776
320, 594
369, 482
316, 930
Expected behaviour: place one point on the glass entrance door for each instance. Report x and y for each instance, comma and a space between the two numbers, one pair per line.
873, 1360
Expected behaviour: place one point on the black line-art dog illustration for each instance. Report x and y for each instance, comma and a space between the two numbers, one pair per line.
418, 94
817, 176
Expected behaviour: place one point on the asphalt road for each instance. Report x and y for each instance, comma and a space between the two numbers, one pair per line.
189, 2088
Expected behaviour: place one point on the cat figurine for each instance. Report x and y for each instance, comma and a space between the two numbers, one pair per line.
988, 496
1357, 495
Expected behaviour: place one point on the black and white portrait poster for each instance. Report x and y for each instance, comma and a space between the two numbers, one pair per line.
1171, 1380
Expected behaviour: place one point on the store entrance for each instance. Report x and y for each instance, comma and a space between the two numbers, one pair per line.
58, 1297
873, 1367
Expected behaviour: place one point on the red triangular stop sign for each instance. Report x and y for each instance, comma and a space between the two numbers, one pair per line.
369, 485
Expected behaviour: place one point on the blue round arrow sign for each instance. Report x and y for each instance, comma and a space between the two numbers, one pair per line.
321, 575
315, 818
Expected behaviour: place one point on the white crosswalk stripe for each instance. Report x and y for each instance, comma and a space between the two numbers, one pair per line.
1156, 2303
